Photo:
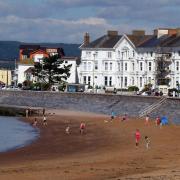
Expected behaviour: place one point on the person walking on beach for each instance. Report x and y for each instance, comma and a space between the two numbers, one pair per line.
137, 137
112, 115
147, 120
82, 128
158, 121
35, 122
44, 120
124, 118
147, 140
67, 130
27, 113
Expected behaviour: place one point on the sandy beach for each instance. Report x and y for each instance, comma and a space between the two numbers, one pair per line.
106, 151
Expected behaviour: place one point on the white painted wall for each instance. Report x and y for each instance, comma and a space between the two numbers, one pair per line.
21, 69
125, 67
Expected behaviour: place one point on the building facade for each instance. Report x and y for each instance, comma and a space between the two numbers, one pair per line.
137, 59
30, 54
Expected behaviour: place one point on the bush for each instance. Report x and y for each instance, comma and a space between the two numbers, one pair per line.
133, 88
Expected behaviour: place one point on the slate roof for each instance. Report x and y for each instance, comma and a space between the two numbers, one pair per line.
143, 41
163, 41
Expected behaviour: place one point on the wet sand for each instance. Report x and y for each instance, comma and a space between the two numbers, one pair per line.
106, 151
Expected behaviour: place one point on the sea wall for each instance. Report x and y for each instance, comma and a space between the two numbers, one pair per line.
98, 103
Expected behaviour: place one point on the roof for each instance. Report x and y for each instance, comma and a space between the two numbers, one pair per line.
29, 70
163, 41
107, 41
104, 42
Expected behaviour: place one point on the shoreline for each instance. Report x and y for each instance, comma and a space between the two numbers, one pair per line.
106, 151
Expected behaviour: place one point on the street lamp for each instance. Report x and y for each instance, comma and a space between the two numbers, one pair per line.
93, 70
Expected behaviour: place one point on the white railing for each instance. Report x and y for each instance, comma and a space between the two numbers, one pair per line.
152, 107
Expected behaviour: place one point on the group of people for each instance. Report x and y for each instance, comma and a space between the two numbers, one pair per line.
138, 137
82, 128
44, 120
124, 117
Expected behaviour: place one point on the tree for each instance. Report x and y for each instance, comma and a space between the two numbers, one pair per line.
52, 70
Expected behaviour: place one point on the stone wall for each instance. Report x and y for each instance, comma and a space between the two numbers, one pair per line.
98, 103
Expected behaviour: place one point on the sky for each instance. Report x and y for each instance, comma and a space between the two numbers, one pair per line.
66, 21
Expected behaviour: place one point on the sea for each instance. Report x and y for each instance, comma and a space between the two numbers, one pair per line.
15, 134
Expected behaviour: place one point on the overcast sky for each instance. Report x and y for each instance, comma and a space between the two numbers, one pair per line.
67, 20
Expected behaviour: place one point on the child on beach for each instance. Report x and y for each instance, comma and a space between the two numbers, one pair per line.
44, 120
82, 128
147, 120
147, 140
35, 122
112, 115
137, 137
67, 130
124, 118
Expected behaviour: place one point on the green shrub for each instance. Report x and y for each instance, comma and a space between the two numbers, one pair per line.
133, 88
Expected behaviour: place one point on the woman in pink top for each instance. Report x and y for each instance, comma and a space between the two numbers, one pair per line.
137, 137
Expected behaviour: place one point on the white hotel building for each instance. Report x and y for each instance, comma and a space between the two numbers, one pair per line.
124, 60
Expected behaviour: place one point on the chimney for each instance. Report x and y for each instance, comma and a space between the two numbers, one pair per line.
86, 38
161, 32
112, 33
138, 32
172, 32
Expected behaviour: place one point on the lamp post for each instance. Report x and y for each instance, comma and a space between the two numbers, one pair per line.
93, 70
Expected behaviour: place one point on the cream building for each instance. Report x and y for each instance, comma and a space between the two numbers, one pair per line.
5, 77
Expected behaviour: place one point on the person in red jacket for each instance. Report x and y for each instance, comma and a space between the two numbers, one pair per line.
137, 137
82, 128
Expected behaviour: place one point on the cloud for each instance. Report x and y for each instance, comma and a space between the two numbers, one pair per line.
49, 29
67, 20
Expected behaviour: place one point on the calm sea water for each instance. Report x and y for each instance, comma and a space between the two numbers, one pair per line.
15, 134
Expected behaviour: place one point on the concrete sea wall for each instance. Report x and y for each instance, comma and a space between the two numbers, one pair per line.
98, 103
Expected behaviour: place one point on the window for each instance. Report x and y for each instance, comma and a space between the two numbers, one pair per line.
133, 66
140, 81
88, 54
89, 66
149, 79
24, 56
96, 65
89, 80
133, 54
141, 66
84, 80
132, 80
125, 66
110, 81
84, 66
121, 82
106, 66
150, 66
125, 81
151, 53
109, 54
110, 67
177, 66
119, 54
105, 81
119, 67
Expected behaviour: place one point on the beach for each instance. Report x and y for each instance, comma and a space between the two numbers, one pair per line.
106, 151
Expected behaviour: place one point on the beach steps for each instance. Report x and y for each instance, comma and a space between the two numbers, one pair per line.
148, 110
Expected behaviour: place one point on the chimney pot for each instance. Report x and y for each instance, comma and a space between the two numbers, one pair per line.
138, 32
86, 38
112, 33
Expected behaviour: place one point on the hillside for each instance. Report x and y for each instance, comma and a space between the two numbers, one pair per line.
9, 50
